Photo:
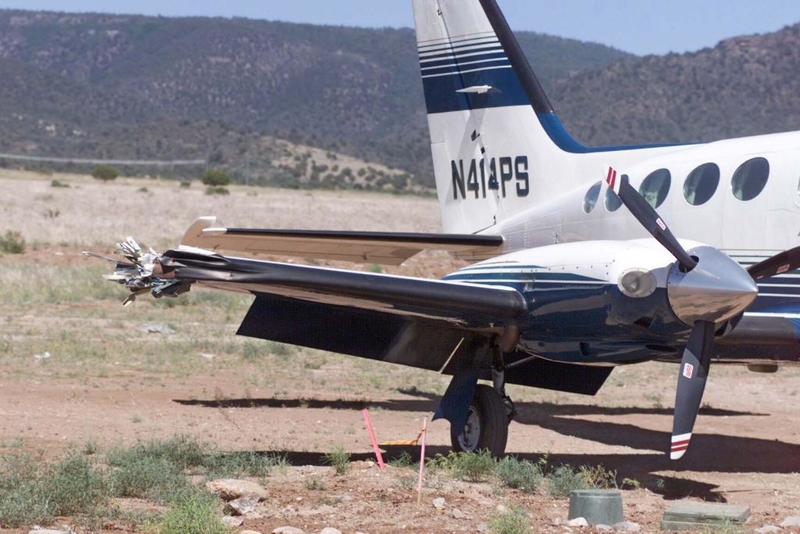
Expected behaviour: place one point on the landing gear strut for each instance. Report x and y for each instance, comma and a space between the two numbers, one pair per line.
490, 412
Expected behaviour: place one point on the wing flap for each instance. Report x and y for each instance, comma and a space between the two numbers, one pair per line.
386, 248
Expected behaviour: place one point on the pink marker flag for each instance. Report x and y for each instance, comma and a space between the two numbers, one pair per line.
422, 460
371, 431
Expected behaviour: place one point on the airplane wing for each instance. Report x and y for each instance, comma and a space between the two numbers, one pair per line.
467, 305
410, 321
386, 248
430, 324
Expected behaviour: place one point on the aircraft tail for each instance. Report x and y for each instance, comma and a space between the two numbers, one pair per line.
494, 134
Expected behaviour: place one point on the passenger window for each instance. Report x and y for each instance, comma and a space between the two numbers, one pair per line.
613, 202
655, 187
750, 178
591, 197
701, 184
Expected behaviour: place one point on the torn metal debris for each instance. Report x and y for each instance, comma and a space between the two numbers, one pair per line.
141, 273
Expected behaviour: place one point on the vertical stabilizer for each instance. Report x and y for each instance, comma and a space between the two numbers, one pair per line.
486, 139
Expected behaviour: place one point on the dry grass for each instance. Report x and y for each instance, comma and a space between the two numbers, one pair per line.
90, 213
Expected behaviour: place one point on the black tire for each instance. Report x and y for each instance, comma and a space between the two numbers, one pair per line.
487, 424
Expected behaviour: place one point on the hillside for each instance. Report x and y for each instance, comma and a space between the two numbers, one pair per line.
742, 86
148, 87
222, 90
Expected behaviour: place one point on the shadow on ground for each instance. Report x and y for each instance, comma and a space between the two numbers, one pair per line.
709, 452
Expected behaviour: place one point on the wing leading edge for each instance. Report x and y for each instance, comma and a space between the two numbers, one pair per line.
386, 248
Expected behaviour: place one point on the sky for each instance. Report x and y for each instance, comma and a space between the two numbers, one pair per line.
637, 26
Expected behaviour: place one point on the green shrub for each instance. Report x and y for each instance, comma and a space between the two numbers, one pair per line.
12, 243
105, 173
598, 477
241, 463
58, 183
522, 475
148, 478
194, 513
469, 466
564, 480
74, 486
181, 451
216, 178
34, 492
514, 521
339, 458
404, 459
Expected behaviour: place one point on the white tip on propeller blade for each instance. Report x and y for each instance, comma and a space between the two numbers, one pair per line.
680, 443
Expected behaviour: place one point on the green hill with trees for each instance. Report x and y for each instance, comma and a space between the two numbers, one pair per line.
278, 103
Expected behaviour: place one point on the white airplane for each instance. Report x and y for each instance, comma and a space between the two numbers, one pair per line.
568, 283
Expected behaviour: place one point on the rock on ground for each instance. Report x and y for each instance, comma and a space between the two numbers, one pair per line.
231, 488
244, 505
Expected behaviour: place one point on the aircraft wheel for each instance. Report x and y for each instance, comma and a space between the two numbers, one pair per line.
487, 424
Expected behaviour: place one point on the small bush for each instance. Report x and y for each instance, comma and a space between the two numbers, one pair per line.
514, 521
33, 492
74, 486
473, 466
339, 458
564, 480
598, 477
194, 513
12, 243
58, 183
236, 464
148, 478
105, 173
181, 451
404, 460
216, 178
522, 475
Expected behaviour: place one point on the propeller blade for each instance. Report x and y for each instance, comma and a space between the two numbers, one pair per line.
648, 217
691, 383
788, 260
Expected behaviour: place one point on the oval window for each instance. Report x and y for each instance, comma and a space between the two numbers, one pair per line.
750, 178
655, 187
591, 197
612, 201
701, 184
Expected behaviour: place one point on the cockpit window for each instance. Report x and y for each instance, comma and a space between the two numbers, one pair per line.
612, 201
701, 184
655, 187
750, 178
591, 197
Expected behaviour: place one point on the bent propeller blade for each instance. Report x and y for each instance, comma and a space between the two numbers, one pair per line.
691, 384
647, 217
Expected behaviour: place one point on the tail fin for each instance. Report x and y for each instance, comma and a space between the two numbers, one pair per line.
493, 130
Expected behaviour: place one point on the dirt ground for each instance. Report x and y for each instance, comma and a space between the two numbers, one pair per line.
746, 447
